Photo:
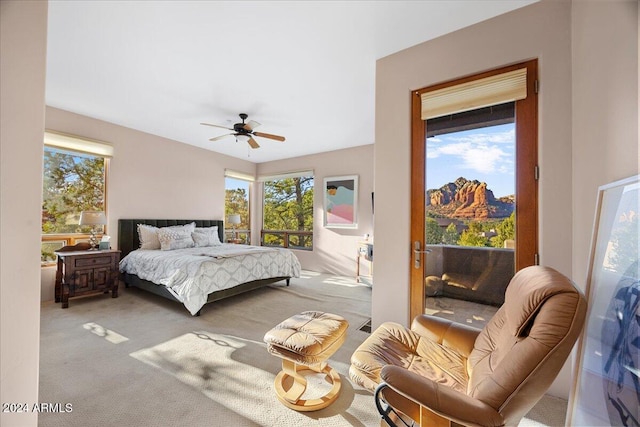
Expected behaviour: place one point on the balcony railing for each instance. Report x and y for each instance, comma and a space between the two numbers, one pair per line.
292, 239
479, 274
241, 236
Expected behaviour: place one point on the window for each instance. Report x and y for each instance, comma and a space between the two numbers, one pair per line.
74, 177
237, 195
288, 210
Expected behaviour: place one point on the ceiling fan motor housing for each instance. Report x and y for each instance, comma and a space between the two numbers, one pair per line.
240, 127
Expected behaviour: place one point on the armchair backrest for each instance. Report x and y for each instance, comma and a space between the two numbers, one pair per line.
519, 353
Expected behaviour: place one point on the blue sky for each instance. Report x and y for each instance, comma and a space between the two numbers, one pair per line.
486, 154
232, 183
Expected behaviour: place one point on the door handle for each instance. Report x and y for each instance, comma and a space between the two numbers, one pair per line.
417, 251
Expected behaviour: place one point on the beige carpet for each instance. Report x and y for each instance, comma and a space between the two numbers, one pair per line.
140, 360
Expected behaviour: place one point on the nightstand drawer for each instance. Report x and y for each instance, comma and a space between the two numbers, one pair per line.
95, 261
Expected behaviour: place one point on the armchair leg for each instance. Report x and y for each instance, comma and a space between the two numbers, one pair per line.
391, 418
389, 415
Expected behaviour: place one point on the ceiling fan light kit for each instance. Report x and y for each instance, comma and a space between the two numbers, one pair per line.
244, 132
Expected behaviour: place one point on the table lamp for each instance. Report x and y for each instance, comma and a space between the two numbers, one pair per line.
234, 219
93, 218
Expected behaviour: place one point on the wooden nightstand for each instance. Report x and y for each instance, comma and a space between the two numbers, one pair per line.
86, 272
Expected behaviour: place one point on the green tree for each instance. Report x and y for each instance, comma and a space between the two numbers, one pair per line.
71, 183
506, 230
450, 236
433, 232
288, 205
237, 202
472, 236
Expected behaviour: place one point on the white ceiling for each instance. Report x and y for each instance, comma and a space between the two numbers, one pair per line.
304, 69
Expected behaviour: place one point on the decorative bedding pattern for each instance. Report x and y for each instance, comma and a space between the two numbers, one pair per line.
191, 274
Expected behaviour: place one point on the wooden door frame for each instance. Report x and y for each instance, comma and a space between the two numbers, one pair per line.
526, 125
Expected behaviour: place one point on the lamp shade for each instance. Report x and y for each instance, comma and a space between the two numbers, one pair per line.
92, 218
234, 219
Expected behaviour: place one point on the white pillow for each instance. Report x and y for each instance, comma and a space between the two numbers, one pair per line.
171, 239
187, 227
148, 234
206, 236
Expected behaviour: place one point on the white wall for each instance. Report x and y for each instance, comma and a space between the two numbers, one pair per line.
594, 46
23, 43
604, 109
334, 250
605, 112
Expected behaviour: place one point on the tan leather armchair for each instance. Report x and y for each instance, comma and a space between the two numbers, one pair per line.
440, 372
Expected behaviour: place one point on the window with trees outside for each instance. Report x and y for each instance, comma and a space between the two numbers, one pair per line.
288, 211
237, 196
73, 181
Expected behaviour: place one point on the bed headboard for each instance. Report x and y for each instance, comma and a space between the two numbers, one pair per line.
128, 239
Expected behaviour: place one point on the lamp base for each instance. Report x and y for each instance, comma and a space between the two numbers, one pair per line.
93, 240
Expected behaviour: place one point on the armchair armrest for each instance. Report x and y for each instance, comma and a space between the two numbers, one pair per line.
441, 400
443, 331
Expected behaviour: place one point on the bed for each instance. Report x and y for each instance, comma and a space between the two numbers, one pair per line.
196, 276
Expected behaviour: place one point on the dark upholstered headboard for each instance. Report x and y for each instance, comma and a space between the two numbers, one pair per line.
128, 239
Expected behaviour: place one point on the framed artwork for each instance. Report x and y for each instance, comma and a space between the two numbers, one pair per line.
341, 201
606, 387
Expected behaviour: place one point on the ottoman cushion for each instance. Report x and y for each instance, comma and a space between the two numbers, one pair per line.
308, 338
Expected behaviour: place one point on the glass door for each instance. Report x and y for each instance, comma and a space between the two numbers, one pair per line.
474, 195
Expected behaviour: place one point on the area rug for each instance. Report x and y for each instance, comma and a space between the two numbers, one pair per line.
232, 372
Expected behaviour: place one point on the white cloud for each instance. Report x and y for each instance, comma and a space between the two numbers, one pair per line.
480, 152
489, 138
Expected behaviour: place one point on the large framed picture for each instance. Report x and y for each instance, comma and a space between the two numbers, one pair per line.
606, 387
341, 201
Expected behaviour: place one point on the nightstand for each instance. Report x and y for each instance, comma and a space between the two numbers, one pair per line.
86, 272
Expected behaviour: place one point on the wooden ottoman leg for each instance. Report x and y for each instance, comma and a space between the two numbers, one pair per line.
299, 385
290, 397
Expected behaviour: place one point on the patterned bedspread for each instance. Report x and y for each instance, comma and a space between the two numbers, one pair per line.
191, 274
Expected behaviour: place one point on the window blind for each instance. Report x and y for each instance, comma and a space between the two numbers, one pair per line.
239, 175
67, 142
493, 90
283, 175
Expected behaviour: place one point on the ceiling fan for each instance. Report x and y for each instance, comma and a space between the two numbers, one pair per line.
245, 132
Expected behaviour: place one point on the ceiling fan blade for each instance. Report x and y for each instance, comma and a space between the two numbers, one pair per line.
251, 125
270, 136
252, 142
216, 126
215, 138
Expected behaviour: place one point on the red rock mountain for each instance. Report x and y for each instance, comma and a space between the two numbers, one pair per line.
469, 200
